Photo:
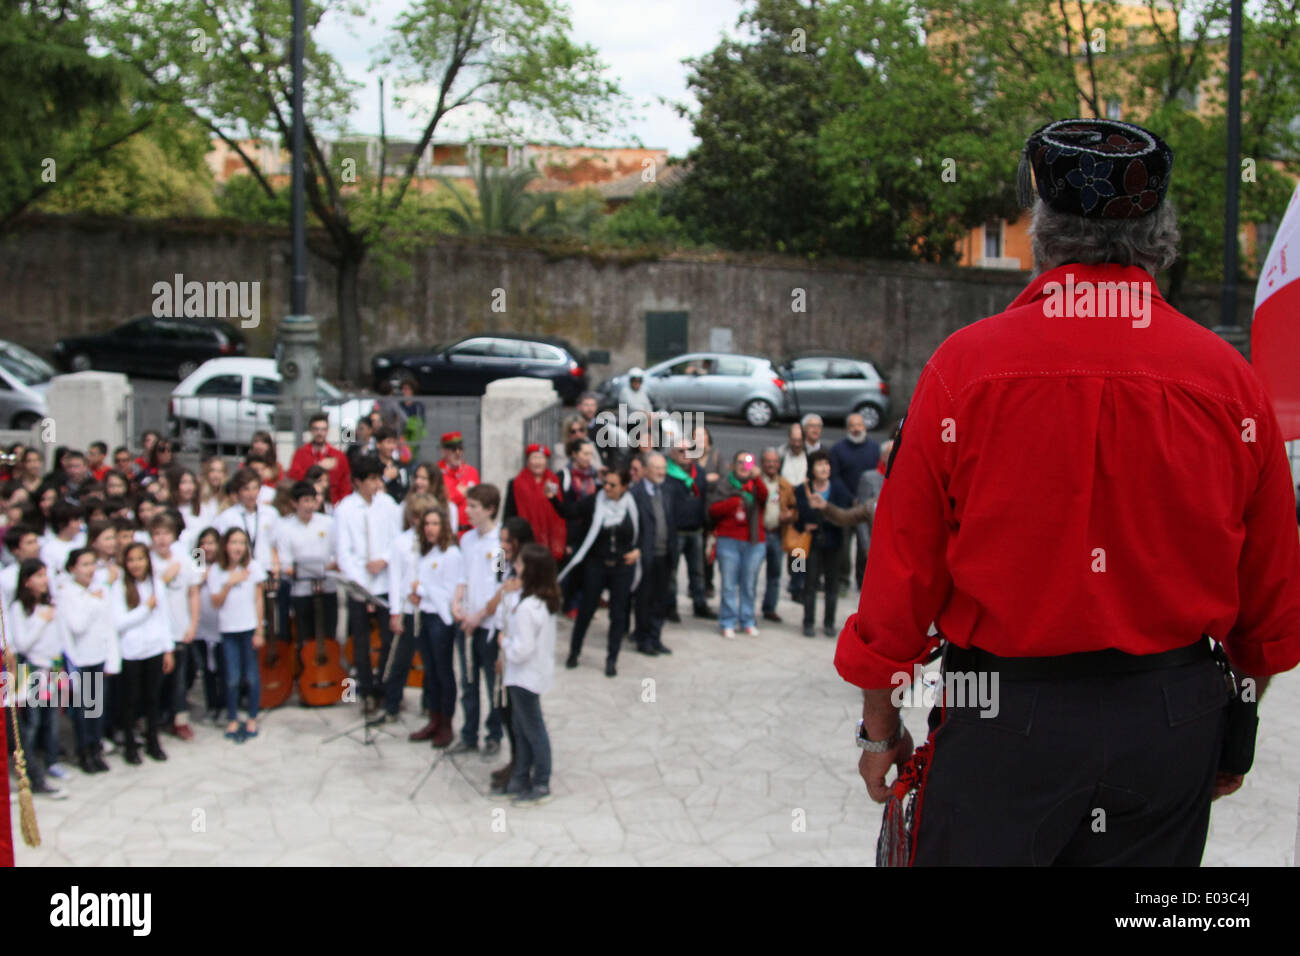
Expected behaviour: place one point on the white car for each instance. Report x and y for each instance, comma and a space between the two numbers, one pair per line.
24, 382
226, 400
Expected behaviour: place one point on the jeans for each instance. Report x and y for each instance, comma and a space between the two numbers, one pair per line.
359, 628
91, 687
738, 564
241, 666
689, 544
823, 566
479, 656
532, 744
191, 661
141, 684
403, 652
596, 576
44, 720
437, 641
773, 561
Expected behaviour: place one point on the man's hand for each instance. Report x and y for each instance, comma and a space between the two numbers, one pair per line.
189, 635
632, 557
169, 662
816, 502
173, 569
874, 767
1226, 783
395, 623
375, 566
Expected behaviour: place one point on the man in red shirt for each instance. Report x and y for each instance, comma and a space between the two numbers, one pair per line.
458, 476
1084, 486
319, 452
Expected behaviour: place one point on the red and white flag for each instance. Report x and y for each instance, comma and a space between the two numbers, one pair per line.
1275, 332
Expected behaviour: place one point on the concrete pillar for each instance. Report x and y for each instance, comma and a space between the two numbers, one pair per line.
90, 406
506, 404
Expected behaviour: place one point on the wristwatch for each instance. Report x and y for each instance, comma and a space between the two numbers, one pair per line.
877, 746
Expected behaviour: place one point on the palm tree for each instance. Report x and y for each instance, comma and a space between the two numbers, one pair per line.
506, 207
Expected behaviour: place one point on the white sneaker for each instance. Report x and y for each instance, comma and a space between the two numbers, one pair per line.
57, 771
729, 633
751, 631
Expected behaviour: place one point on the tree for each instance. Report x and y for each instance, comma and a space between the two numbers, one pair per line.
64, 107
226, 62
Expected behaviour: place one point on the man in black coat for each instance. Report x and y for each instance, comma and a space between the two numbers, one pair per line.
658, 528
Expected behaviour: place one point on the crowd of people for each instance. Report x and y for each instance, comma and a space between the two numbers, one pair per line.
141, 583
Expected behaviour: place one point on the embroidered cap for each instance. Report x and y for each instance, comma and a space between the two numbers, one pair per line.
1095, 168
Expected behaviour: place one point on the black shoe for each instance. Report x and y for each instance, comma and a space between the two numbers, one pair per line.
462, 747
646, 648
772, 616
572, 662
491, 747
703, 612
809, 631
829, 630
610, 669
132, 755
673, 616
86, 761
659, 648
101, 765
709, 592
154, 751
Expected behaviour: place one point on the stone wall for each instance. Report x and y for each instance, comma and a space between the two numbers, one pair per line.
69, 275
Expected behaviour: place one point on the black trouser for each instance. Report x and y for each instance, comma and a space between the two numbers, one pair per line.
596, 576
359, 628
304, 617
688, 544
823, 565
1114, 770
652, 600
141, 684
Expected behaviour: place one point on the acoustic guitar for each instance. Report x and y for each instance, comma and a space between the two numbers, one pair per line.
321, 682
275, 657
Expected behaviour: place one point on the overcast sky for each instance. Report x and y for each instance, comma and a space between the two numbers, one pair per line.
641, 41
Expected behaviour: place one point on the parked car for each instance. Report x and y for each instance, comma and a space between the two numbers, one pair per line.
228, 399
24, 380
165, 348
742, 385
466, 366
834, 385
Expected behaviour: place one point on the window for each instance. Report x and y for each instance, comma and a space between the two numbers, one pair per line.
472, 348
841, 370
1115, 109
993, 239
732, 365
545, 353
689, 366
136, 327
510, 349
225, 386
808, 370
265, 389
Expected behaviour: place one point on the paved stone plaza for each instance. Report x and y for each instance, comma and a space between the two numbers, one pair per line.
739, 752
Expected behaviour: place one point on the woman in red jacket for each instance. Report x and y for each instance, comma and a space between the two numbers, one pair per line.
736, 509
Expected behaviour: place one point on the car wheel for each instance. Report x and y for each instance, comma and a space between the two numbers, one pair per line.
81, 362
194, 436
25, 421
870, 415
759, 413
185, 370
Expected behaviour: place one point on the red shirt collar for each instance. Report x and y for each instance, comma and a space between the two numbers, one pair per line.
1107, 272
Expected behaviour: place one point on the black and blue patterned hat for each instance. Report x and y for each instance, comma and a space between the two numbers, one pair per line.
1096, 168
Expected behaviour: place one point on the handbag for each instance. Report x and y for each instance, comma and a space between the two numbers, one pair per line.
792, 540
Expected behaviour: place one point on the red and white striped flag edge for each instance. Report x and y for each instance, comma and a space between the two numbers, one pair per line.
1275, 330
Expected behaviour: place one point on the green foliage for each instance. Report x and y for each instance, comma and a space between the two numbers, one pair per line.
242, 197
503, 205
641, 222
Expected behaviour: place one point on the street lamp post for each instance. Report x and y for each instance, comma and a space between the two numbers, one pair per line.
299, 335
1228, 327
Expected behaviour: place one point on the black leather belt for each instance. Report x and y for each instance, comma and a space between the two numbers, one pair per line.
1068, 666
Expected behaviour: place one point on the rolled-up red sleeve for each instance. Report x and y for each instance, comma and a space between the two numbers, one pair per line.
1265, 638
907, 579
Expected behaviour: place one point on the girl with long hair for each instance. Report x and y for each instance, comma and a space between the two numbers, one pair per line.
145, 638
235, 585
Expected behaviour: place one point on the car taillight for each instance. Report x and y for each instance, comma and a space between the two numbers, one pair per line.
227, 349
884, 387
577, 371
779, 383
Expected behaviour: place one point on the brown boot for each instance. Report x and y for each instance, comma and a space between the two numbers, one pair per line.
428, 731
443, 736
502, 774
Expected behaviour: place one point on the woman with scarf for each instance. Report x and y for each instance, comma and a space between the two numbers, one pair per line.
736, 504
579, 479
608, 557
534, 495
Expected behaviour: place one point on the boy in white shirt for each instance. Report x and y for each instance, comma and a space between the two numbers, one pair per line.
181, 579
23, 543
68, 536
306, 542
368, 521
475, 642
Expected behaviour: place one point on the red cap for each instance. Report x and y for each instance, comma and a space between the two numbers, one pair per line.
535, 447
452, 438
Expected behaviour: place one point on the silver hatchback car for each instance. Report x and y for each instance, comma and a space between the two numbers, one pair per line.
834, 386
742, 385
24, 380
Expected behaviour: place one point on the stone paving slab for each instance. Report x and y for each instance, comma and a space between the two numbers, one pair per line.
712, 756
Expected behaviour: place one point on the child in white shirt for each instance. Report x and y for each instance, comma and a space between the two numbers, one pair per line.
92, 651
235, 584
145, 637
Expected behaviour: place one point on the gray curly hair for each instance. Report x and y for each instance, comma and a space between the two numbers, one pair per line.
1150, 242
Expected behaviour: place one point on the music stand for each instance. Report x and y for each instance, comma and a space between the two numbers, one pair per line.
370, 731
